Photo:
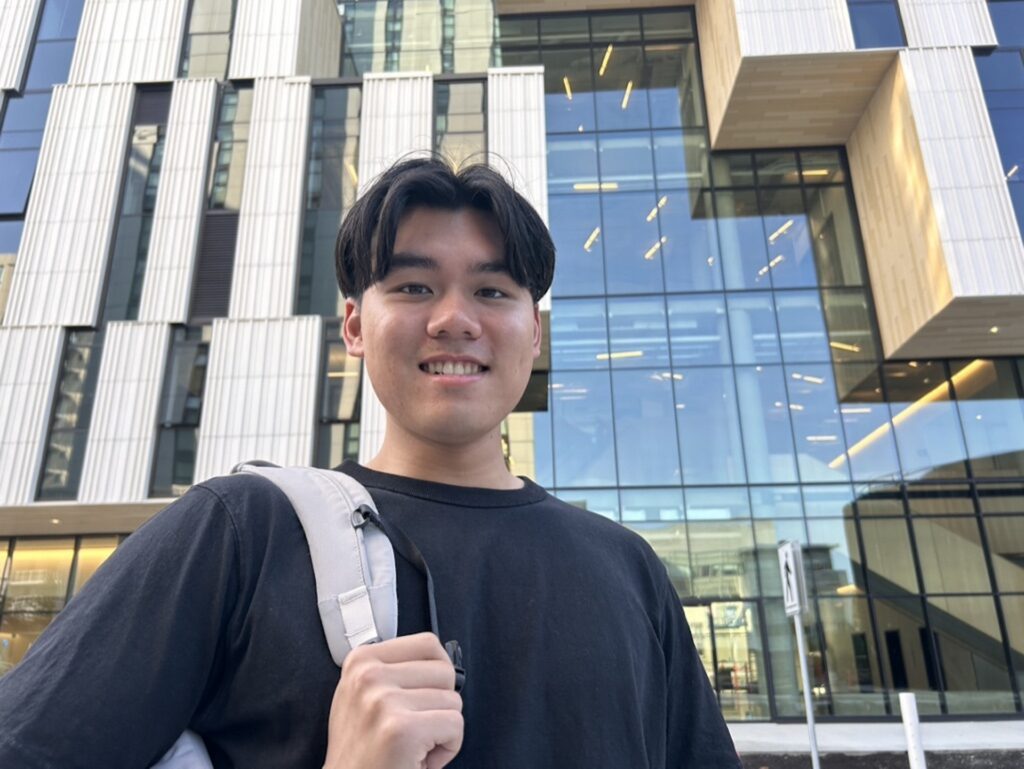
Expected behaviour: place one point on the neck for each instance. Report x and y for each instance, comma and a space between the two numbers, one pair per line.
479, 464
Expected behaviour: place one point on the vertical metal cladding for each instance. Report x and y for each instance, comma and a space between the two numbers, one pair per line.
119, 454
17, 23
270, 220
260, 396
947, 22
286, 37
29, 362
179, 202
395, 122
129, 40
70, 219
780, 27
977, 225
516, 138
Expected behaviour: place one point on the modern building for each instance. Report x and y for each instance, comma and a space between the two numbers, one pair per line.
789, 300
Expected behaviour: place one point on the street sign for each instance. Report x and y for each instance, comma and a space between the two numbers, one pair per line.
791, 567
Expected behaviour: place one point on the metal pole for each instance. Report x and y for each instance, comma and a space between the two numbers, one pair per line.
808, 702
912, 728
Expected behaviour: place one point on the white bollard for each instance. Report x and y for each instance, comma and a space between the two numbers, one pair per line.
912, 728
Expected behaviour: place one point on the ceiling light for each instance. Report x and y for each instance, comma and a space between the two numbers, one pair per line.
654, 249
1012, 172
994, 330
780, 232
843, 346
621, 355
590, 241
604, 62
654, 211
595, 187
855, 409
352, 172
55, 521
625, 96
820, 438
568, 88
817, 172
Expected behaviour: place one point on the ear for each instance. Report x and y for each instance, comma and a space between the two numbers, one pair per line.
538, 331
352, 328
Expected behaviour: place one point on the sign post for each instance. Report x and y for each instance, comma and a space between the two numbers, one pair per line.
794, 595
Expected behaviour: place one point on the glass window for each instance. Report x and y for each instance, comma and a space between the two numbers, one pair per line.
739, 675
60, 19
1013, 613
716, 504
770, 533
776, 168
563, 29
820, 442
876, 24
698, 330
92, 552
733, 169
18, 631
943, 499
755, 333
854, 675
719, 557
1005, 535
662, 24
51, 62
850, 325
786, 676
674, 89
945, 541
670, 542
40, 569
888, 557
1008, 20
639, 336
764, 417
208, 41
866, 423
579, 334
568, 89
833, 232
880, 501
518, 30
828, 500
822, 167
576, 231
681, 160
230, 148
652, 505
19, 169
584, 440
626, 160
832, 555
1001, 498
572, 164
604, 502
708, 422
927, 427
992, 414
776, 501
10, 233
632, 243
460, 131
908, 655
742, 240
690, 248
338, 424
790, 253
614, 27
973, 661
645, 433
801, 327
621, 95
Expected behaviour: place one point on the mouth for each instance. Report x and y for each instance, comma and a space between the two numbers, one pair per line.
453, 368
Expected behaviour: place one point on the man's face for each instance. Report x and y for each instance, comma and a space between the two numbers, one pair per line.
448, 337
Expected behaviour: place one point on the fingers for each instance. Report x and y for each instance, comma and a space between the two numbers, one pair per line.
422, 646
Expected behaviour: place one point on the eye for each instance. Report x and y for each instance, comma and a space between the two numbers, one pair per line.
492, 293
413, 289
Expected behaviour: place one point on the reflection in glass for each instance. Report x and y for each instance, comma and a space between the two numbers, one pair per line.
816, 423
40, 569
1005, 536
1001, 498
790, 252
764, 416
828, 500
776, 168
681, 160
927, 428
208, 40
572, 164
18, 631
876, 24
338, 420
908, 656
645, 433
866, 422
992, 414
639, 336
568, 90
626, 160
850, 325
1013, 613
230, 148
973, 661
576, 231
652, 505
880, 501
832, 557
92, 552
769, 534
941, 499
801, 327
888, 558
674, 89
722, 558
621, 83
698, 330
755, 334
743, 241
584, 440
785, 663
776, 502
733, 169
945, 541
855, 678
460, 131
740, 670
604, 502
632, 243
51, 62
579, 334
709, 426
835, 237
690, 250
822, 167
716, 503
670, 542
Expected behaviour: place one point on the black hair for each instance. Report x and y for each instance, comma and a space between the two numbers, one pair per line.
366, 240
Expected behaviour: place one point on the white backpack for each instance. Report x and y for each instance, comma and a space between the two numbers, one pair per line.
354, 567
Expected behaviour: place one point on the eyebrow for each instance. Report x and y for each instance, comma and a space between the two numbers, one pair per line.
405, 260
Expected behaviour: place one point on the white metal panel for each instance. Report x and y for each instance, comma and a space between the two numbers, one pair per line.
180, 198
17, 24
781, 27
71, 212
319, 39
129, 41
395, 122
977, 225
270, 217
260, 394
29, 366
516, 138
122, 432
947, 22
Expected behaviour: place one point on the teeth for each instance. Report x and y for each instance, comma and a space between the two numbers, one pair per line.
452, 369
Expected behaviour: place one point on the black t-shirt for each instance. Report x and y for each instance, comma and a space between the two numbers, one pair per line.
576, 650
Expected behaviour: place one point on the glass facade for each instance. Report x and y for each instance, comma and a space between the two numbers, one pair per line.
337, 437
207, 43
460, 121
876, 23
1002, 79
717, 385
23, 119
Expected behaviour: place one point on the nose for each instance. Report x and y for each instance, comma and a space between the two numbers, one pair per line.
454, 316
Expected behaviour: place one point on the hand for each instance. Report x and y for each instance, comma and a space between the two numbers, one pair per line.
395, 707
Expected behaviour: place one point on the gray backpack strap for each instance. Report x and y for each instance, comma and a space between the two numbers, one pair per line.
354, 567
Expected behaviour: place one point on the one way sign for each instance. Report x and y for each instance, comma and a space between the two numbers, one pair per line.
791, 567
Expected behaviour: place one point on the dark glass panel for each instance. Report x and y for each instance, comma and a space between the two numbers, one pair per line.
876, 24
850, 325
927, 427
60, 19
652, 505
775, 168
733, 169
1005, 534
908, 656
709, 426
742, 238
854, 675
518, 30
674, 89
698, 330
888, 557
992, 414
584, 439
764, 416
833, 232
940, 500
51, 62
556, 30
645, 432
690, 249
19, 169
576, 230
770, 533
822, 167
665, 24
579, 334
614, 27
973, 659
638, 332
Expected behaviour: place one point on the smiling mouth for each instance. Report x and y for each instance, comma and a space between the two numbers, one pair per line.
448, 368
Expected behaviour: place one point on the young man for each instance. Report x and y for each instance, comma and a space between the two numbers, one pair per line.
575, 647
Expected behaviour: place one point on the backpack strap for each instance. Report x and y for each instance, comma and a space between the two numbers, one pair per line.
354, 566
